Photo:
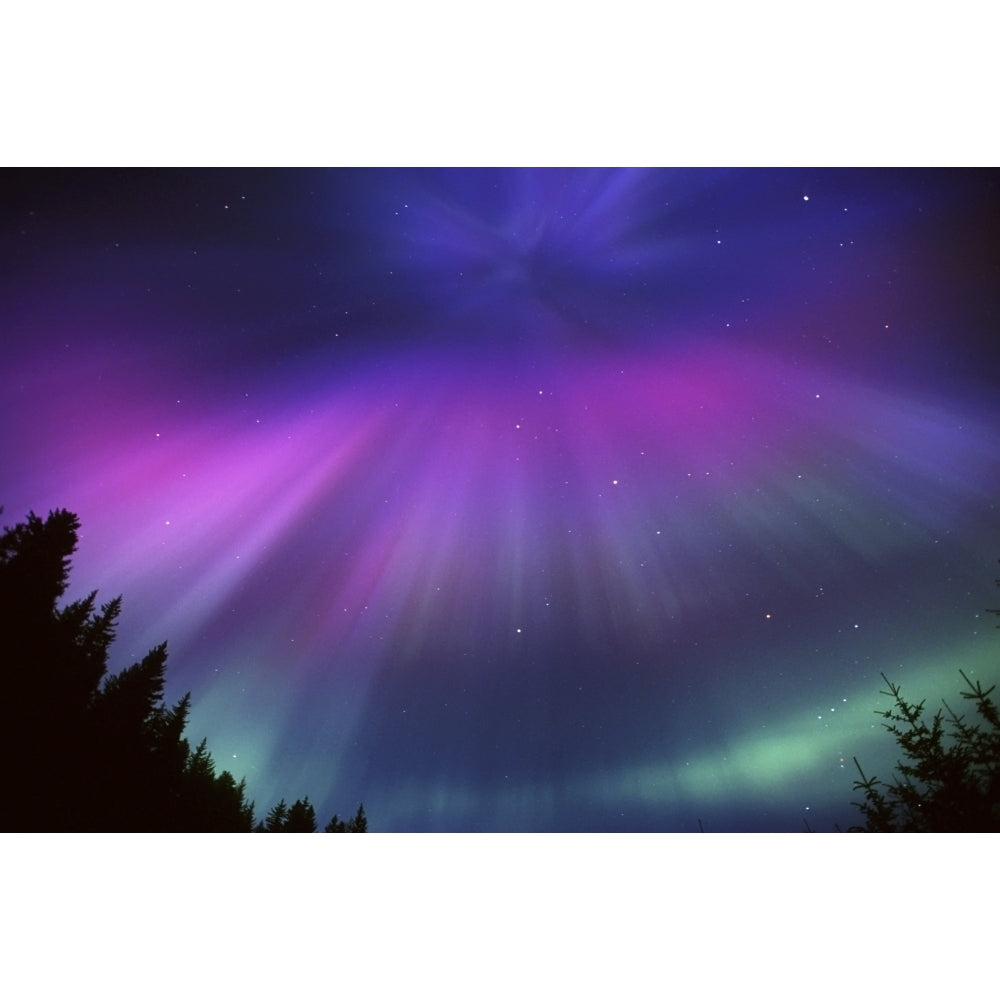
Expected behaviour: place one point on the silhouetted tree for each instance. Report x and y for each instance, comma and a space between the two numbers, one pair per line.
948, 780
209, 801
301, 817
359, 824
52, 662
275, 820
949, 776
84, 750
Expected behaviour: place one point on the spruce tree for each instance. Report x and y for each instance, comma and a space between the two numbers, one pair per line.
88, 750
948, 778
301, 817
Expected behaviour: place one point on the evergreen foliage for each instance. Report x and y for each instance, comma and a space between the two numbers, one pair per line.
276, 818
359, 824
948, 779
87, 750
299, 817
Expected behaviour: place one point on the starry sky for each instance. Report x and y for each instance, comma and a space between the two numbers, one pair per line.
521, 500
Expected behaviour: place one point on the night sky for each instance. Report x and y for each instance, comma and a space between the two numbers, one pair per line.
521, 500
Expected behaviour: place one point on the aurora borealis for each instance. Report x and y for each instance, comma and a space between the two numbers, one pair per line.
521, 499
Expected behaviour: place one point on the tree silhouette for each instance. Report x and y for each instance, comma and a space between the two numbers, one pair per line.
359, 824
949, 777
89, 751
948, 780
275, 820
301, 817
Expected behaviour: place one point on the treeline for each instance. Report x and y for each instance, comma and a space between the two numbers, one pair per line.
300, 817
85, 750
